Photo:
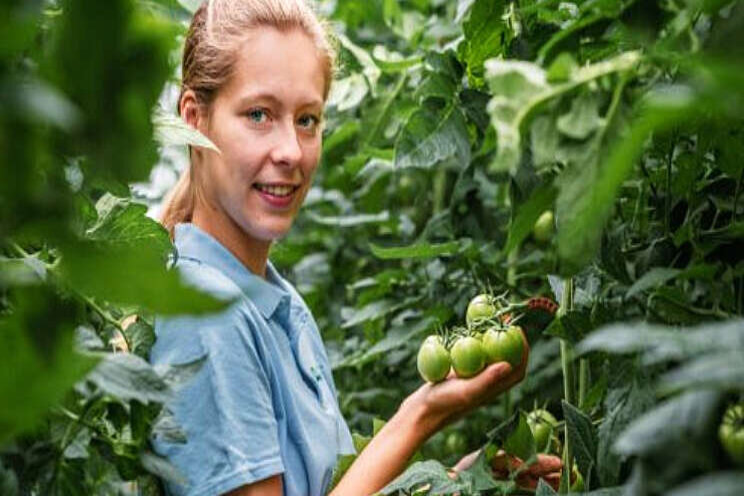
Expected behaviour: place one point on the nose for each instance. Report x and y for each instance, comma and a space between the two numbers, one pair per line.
286, 150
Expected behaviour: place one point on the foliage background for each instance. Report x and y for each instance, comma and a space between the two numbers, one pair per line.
450, 128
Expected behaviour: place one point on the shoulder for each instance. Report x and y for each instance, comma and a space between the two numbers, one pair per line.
182, 338
207, 278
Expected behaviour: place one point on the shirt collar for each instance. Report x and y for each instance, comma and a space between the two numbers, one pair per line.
267, 294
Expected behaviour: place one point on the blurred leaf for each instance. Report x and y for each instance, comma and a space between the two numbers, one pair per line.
716, 484
652, 278
129, 377
162, 468
40, 363
136, 278
521, 437
418, 250
658, 430
171, 130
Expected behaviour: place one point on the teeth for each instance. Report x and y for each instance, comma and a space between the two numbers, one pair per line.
276, 190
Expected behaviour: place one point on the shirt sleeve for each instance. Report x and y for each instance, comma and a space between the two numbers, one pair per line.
226, 410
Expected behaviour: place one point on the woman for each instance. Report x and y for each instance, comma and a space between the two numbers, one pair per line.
261, 416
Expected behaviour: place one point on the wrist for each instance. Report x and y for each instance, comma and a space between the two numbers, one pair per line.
422, 420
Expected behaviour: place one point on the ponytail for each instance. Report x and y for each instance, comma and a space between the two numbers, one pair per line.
178, 205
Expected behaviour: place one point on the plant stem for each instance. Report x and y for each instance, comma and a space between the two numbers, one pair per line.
568, 378
583, 380
511, 279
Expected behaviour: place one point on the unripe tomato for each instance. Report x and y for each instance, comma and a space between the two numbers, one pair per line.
542, 424
433, 360
468, 357
731, 433
544, 227
455, 443
504, 345
481, 307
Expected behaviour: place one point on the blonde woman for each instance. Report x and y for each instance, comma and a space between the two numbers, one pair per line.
261, 416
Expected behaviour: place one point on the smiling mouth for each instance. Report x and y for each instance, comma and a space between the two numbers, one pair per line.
280, 191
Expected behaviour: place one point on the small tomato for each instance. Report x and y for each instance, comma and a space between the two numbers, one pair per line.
544, 227
731, 433
542, 424
482, 307
504, 345
433, 360
468, 357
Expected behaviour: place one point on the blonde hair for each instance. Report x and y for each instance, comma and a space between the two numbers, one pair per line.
210, 51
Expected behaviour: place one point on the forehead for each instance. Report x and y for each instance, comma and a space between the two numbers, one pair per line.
285, 64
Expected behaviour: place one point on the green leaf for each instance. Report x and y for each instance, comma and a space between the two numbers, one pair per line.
581, 437
520, 441
573, 326
584, 212
171, 130
417, 250
122, 221
723, 371
583, 118
432, 136
429, 473
716, 484
658, 430
129, 276
654, 277
349, 220
543, 489
527, 214
369, 68
38, 358
483, 32
519, 88
129, 377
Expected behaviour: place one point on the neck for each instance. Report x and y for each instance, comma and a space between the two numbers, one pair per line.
251, 252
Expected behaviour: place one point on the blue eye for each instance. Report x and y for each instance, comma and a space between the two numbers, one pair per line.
308, 121
257, 115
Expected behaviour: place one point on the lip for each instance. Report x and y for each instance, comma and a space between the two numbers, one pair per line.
282, 202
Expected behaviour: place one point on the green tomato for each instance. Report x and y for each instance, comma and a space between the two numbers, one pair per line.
731, 433
544, 227
455, 443
504, 345
433, 360
542, 424
481, 307
468, 357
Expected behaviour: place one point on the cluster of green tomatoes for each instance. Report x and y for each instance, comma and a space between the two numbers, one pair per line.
487, 338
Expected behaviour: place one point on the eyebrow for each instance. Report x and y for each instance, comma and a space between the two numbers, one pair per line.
247, 99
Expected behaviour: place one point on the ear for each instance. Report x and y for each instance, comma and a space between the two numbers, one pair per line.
191, 111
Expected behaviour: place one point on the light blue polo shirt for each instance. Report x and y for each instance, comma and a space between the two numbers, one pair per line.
264, 402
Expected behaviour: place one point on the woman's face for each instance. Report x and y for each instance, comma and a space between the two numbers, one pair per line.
266, 122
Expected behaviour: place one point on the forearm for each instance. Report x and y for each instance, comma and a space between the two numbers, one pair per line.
387, 454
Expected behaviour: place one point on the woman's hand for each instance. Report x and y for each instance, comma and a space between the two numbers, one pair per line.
546, 467
447, 400
427, 410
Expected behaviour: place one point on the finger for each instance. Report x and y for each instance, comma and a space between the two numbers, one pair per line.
545, 464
